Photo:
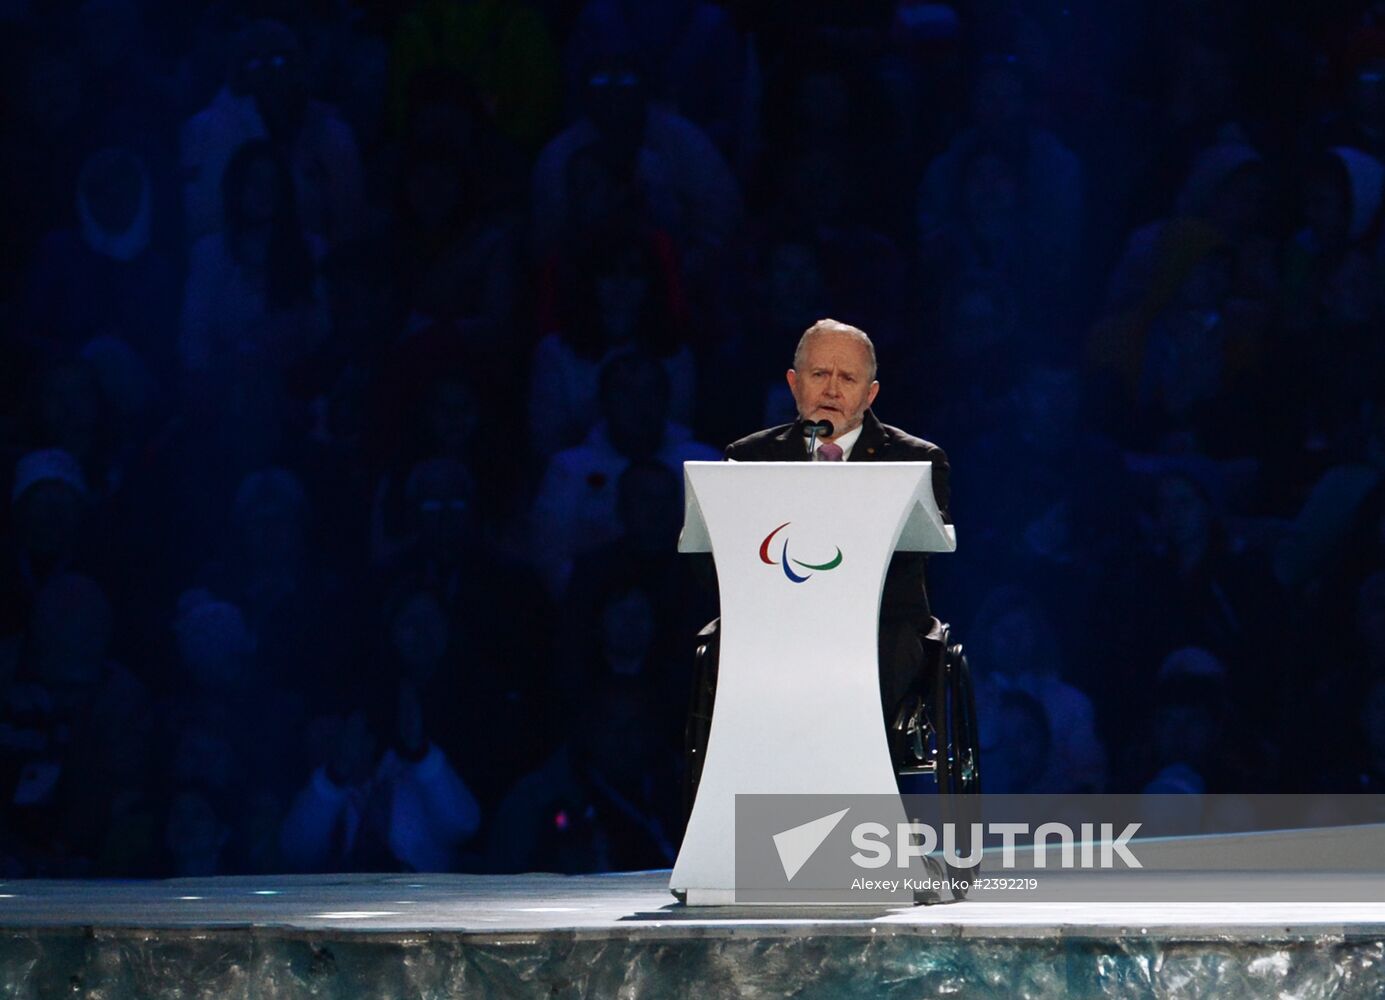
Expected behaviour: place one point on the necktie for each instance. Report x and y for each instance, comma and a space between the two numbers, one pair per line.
829, 451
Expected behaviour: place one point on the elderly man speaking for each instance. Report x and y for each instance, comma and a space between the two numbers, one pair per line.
833, 380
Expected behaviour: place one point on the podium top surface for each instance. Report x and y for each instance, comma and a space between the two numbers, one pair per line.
834, 489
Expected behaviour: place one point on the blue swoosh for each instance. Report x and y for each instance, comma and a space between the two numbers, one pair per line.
784, 560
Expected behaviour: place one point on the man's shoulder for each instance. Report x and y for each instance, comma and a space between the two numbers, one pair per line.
881, 442
905, 446
761, 445
887, 443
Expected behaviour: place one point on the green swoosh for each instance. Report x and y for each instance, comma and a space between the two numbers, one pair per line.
832, 564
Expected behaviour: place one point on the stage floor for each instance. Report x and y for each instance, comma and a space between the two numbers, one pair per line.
624, 935
628, 902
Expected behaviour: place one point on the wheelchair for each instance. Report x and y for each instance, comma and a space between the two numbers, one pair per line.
933, 732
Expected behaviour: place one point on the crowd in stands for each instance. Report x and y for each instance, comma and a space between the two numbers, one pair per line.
350, 350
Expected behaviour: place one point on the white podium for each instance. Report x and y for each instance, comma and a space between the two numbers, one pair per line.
801, 552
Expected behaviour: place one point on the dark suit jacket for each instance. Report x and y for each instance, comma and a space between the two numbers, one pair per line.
906, 591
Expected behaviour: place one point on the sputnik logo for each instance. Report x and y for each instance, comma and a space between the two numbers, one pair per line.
784, 559
797, 844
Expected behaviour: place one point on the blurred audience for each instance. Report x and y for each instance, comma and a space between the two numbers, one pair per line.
405, 809
685, 184
104, 277
266, 97
617, 298
348, 362
1015, 648
593, 806
575, 506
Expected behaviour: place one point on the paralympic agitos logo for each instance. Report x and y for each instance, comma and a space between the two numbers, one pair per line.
784, 559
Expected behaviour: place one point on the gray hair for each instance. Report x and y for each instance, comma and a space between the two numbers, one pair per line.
832, 326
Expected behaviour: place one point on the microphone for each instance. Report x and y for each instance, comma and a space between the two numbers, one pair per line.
812, 431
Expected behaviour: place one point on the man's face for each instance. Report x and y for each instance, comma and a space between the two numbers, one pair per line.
834, 383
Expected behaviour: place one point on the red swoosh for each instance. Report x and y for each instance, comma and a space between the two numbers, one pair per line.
764, 546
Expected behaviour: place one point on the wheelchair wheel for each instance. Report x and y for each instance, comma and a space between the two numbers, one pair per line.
956, 753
